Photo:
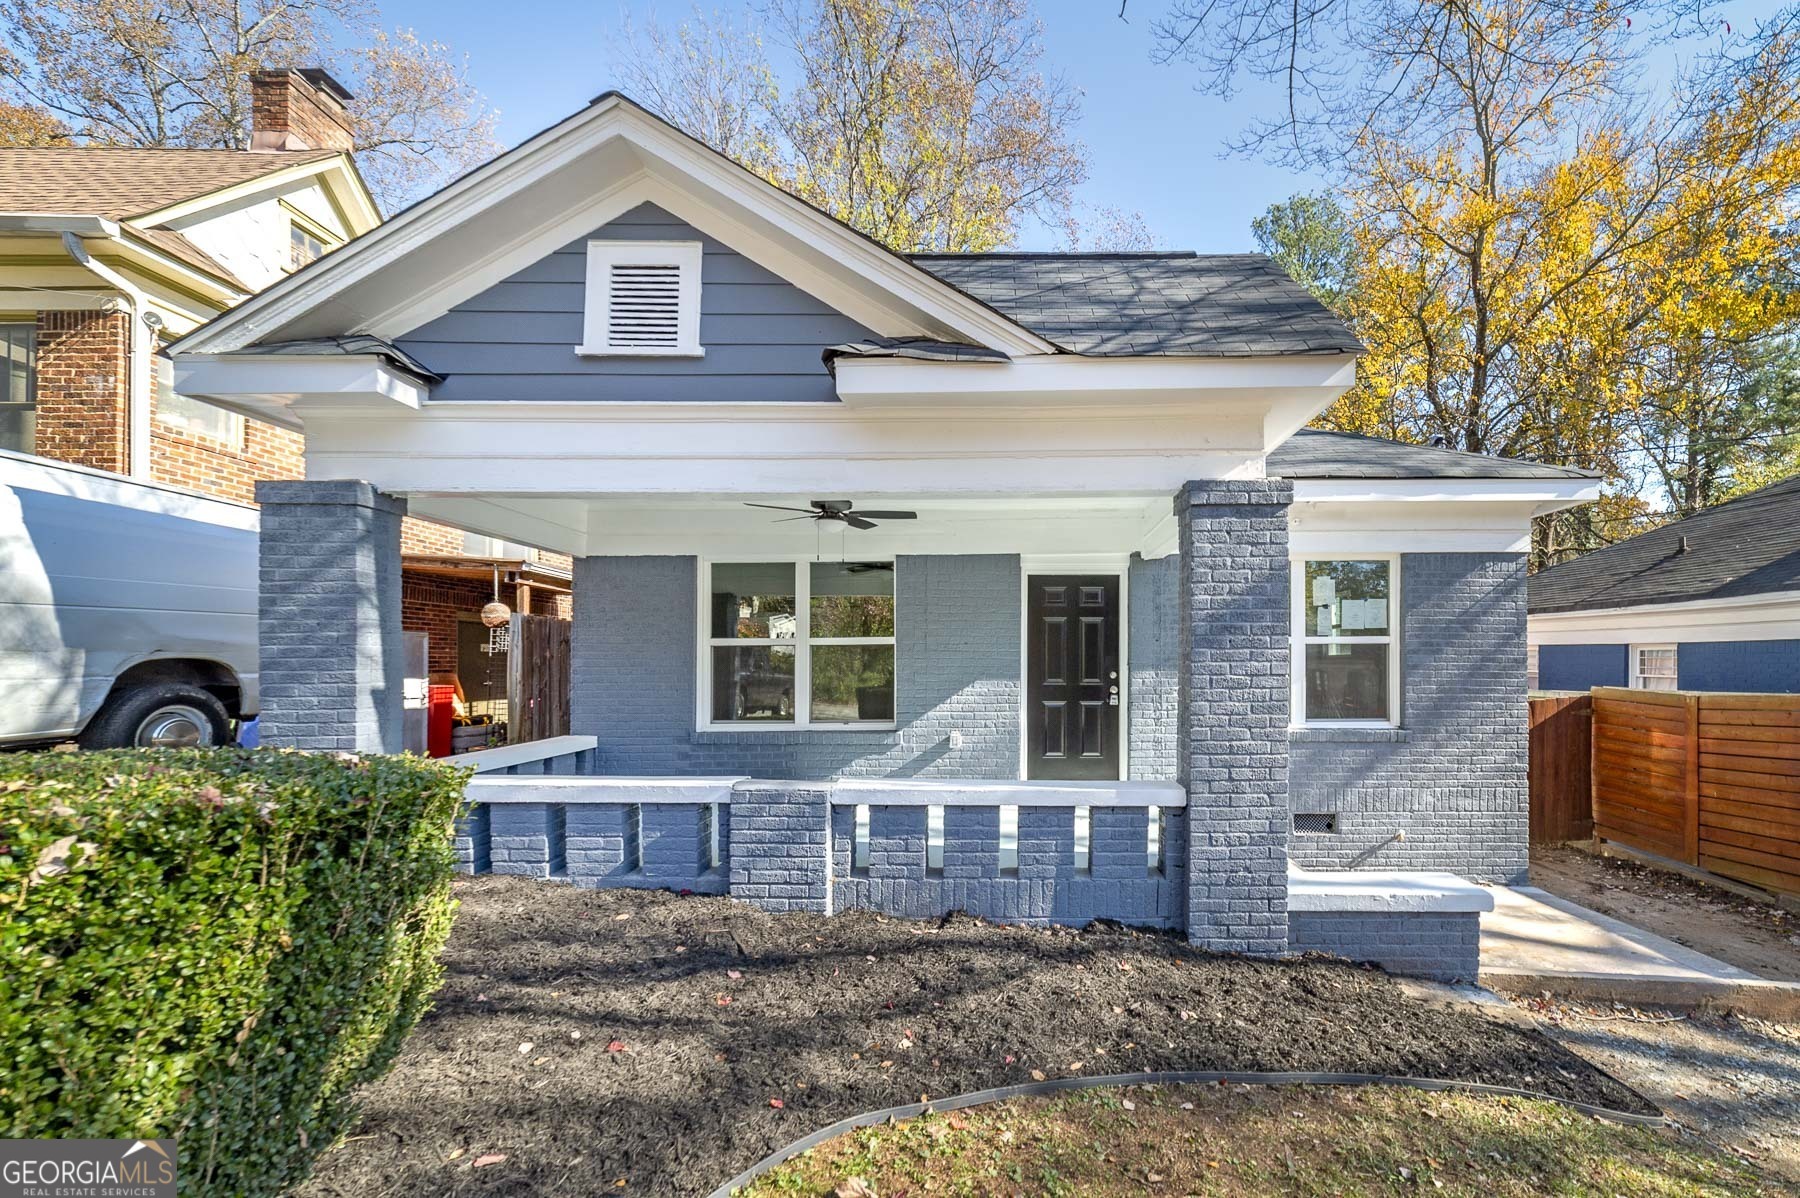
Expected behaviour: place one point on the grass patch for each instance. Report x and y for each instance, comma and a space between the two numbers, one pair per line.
1236, 1140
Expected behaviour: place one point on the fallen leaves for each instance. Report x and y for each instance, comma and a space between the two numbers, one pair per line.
616, 1046
777, 1103
853, 1187
491, 1158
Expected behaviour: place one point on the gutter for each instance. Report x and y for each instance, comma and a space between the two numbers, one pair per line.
138, 369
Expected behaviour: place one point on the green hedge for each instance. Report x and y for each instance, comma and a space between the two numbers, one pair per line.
216, 945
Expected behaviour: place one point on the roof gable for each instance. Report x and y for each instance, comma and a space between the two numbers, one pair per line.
1748, 546
576, 176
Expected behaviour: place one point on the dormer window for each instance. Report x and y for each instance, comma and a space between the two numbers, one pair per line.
643, 299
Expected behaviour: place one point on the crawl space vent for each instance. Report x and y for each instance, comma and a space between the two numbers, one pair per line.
1315, 824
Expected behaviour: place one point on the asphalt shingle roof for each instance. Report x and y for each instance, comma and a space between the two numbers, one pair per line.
1316, 453
1156, 304
1748, 546
121, 184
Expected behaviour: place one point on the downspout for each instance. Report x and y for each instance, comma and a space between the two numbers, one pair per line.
138, 366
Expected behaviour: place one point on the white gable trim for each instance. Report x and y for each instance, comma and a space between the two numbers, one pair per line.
821, 256
344, 186
1769, 616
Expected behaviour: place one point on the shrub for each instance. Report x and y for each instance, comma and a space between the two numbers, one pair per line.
216, 945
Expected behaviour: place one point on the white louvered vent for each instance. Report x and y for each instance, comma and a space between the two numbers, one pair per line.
644, 306
643, 299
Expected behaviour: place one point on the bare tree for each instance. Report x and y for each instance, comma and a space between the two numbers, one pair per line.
928, 124
176, 73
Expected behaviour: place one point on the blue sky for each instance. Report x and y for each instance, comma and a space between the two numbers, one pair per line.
1153, 141
1155, 144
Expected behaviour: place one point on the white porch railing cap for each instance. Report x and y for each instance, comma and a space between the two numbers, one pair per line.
486, 760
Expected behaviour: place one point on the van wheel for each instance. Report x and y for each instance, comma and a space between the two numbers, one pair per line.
160, 715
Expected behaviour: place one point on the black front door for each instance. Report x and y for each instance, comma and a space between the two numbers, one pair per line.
1073, 683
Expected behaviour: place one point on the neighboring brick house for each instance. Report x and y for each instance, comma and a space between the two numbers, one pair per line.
1061, 613
107, 254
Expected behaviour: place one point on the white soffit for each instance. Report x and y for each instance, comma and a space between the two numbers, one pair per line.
562, 183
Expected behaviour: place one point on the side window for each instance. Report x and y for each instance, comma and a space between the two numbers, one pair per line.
18, 386
1653, 668
1346, 647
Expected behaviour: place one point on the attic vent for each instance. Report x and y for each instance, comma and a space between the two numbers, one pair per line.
643, 299
644, 307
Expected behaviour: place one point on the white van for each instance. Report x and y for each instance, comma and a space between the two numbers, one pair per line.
127, 610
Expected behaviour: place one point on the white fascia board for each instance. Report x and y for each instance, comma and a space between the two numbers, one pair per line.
271, 387
1774, 616
527, 167
1546, 495
1495, 526
1252, 384
54, 223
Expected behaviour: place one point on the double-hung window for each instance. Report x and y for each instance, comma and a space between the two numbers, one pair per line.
1653, 668
1346, 646
18, 386
799, 645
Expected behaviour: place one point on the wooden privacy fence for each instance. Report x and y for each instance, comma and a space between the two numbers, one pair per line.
537, 679
1710, 779
1561, 804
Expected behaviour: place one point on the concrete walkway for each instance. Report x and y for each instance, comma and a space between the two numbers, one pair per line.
1533, 941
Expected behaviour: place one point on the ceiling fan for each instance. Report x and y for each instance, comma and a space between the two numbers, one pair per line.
838, 510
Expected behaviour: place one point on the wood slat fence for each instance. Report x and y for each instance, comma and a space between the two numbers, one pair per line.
1711, 779
1562, 806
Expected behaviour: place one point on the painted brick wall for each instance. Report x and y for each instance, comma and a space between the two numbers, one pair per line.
1446, 947
1154, 700
1453, 780
1233, 603
781, 846
328, 616
1047, 889
633, 683
82, 392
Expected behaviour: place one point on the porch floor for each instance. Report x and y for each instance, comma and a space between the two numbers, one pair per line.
588, 1036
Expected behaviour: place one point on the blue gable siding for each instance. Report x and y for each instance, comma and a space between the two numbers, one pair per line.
516, 340
1772, 666
1582, 667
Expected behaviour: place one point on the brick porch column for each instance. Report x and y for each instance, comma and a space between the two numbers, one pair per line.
1234, 711
328, 616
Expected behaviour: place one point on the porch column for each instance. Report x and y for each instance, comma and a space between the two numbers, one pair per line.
328, 616
1234, 711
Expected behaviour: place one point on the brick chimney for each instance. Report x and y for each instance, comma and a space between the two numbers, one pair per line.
298, 108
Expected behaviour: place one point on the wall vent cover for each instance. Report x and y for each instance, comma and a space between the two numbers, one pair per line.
1314, 823
645, 306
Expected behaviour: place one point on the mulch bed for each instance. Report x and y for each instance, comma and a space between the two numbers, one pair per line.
621, 1042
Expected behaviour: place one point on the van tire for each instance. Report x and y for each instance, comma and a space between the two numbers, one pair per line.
158, 714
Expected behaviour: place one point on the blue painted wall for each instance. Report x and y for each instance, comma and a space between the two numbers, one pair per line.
516, 340
1582, 667
1772, 666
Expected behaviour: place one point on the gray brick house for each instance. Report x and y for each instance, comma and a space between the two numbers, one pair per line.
1005, 582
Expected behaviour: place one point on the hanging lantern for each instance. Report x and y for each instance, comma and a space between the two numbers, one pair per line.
495, 613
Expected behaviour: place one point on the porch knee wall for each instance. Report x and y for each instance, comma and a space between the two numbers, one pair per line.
1233, 727
328, 616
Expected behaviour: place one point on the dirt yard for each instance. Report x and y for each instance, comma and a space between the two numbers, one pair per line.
620, 1042
1758, 936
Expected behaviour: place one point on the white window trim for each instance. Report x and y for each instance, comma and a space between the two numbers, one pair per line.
1300, 639
1637, 663
602, 256
803, 643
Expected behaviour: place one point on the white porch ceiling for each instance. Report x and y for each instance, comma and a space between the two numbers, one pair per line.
720, 525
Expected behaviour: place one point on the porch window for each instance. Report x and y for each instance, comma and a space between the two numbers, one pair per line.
1347, 656
800, 644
